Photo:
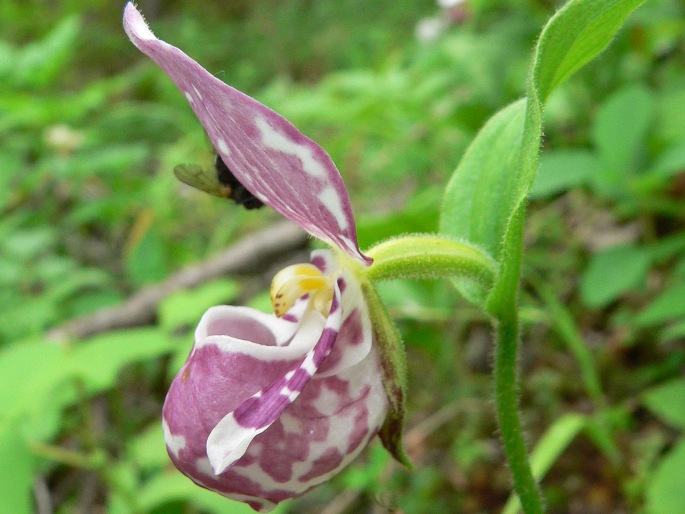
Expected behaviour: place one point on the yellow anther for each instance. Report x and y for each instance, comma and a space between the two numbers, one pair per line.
293, 282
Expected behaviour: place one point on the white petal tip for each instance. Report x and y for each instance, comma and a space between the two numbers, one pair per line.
227, 443
219, 467
135, 25
220, 459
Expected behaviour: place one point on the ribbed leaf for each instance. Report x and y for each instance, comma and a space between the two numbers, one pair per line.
485, 199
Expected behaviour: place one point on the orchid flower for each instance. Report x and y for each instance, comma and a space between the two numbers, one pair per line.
268, 406
265, 408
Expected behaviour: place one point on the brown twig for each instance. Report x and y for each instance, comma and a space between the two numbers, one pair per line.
41, 493
248, 254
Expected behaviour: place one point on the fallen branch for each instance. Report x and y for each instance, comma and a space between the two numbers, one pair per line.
248, 254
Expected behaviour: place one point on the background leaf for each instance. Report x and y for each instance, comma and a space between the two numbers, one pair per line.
185, 308
563, 170
612, 272
16, 468
668, 305
548, 449
621, 126
665, 491
668, 402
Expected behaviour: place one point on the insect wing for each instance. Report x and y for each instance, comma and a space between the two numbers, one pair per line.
204, 180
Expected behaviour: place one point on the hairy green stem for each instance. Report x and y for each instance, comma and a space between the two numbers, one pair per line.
508, 418
429, 256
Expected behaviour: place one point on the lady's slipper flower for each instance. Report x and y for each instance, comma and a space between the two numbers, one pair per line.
279, 165
267, 407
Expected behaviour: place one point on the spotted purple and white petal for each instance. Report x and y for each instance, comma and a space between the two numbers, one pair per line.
266, 153
241, 355
356, 324
229, 439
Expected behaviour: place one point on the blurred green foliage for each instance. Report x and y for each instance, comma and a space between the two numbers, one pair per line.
90, 131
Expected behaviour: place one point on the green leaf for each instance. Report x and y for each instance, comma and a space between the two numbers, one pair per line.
28, 244
577, 33
548, 449
419, 215
18, 365
40, 376
148, 450
621, 126
670, 162
122, 482
42, 62
666, 247
479, 196
670, 126
574, 36
186, 307
564, 170
16, 469
172, 486
570, 333
674, 332
612, 272
669, 305
665, 489
667, 401
484, 202
147, 261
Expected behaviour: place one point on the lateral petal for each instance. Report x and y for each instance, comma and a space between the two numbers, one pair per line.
230, 438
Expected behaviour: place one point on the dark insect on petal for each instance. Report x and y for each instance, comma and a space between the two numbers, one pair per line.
239, 192
221, 182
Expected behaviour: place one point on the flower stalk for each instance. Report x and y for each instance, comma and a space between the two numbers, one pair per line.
508, 416
429, 256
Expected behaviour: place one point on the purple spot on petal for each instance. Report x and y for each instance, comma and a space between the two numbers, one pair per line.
246, 460
352, 331
361, 426
335, 305
242, 328
319, 262
308, 405
327, 462
255, 505
282, 449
